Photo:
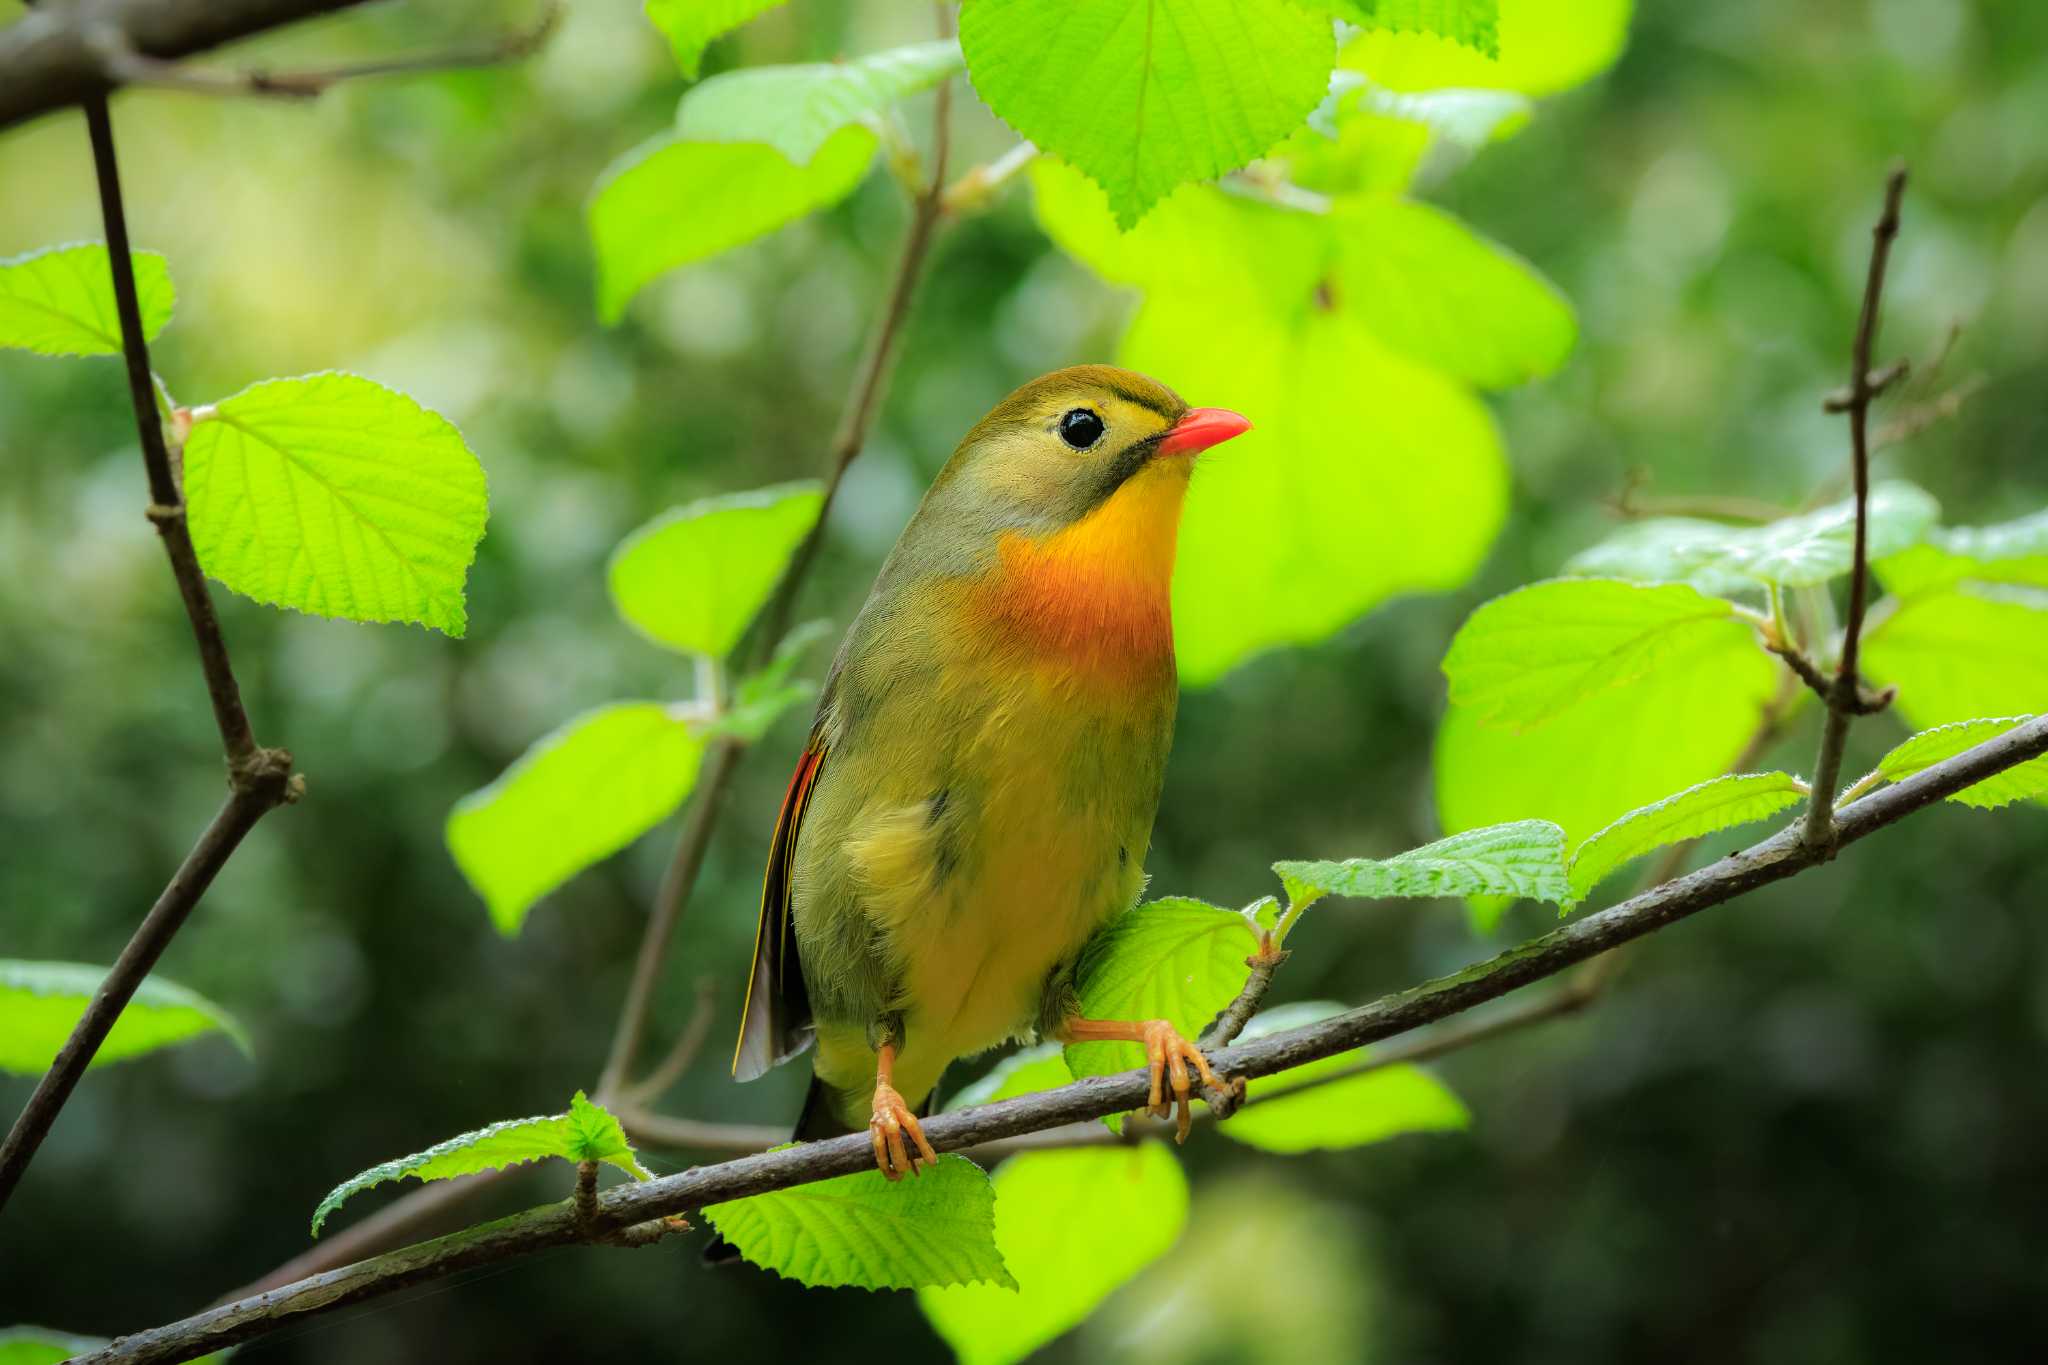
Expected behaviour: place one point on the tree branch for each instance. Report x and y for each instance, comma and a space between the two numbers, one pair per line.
1782, 855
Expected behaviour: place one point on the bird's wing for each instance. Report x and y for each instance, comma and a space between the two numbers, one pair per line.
775, 1024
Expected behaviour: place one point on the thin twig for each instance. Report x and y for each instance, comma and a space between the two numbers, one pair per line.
1845, 695
1239, 1012
1776, 858
685, 1049
1633, 504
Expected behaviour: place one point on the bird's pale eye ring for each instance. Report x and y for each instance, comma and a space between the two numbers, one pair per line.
1081, 428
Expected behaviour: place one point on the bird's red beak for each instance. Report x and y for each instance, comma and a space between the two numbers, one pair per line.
1202, 428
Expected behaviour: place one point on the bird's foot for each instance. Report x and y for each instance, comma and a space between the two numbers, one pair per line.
894, 1129
1168, 1056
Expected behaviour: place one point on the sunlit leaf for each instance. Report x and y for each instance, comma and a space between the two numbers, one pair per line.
41, 1002
1073, 1226
1959, 655
1544, 46
693, 577
579, 795
1144, 97
691, 25
60, 301
1471, 23
1524, 859
2012, 552
1303, 1110
867, 1231
588, 1132
1717, 804
1024, 1072
1929, 747
796, 109
1176, 959
333, 495
1364, 138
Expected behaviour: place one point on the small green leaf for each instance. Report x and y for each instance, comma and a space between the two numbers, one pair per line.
1526, 656
866, 1231
1300, 1110
1178, 959
577, 796
1024, 1072
2012, 552
796, 109
761, 697
41, 1002
1523, 859
670, 202
1470, 23
1148, 96
60, 301
1960, 654
1717, 804
1544, 46
1366, 138
691, 25
1929, 747
332, 495
1073, 1226
588, 1132
693, 577
44, 1346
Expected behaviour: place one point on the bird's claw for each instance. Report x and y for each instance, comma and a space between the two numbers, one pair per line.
893, 1130
1168, 1056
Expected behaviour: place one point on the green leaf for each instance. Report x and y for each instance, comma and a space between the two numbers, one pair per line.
866, 1231
1717, 804
60, 300
1683, 721
1470, 23
1522, 658
2012, 552
577, 796
693, 577
761, 697
1177, 959
332, 495
691, 25
1364, 138
669, 202
1544, 46
1523, 859
1795, 552
1960, 655
1929, 747
44, 1346
41, 1002
588, 1132
1073, 1227
796, 109
1024, 1072
1285, 1117
1148, 96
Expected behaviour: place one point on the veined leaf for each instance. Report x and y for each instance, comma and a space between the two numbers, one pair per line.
796, 109
1544, 46
691, 25
1024, 1072
44, 1346
41, 1002
577, 796
1524, 657
1469, 23
1364, 138
333, 495
60, 301
1717, 804
2012, 552
863, 1230
1177, 959
1148, 96
1523, 859
1301, 1110
1958, 655
693, 577
1073, 1226
669, 202
588, 1132
1929, 747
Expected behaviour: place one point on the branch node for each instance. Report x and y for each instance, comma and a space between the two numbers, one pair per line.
164, 515
266, 773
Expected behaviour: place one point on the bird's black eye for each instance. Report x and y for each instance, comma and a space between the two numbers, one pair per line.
1080, 428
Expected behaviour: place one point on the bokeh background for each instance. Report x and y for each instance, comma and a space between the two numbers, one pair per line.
1807, 1127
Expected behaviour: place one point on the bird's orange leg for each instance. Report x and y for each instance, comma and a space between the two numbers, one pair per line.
1167, 1054
893, 1121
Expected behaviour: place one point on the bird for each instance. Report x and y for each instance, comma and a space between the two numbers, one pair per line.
977, 792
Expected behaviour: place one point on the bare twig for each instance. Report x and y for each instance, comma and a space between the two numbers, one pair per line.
1239, 1012
685, 1049
1632, 503
1782, 855
1845, 695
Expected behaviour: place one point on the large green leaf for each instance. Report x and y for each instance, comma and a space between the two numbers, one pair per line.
867, 1231
41, 1002
1301, 1110
1929, 747
44, 1346
1522, 658
2012, 552
1366, 138
1959, 655
1471, 23
1024, 1072
796, 109
577, 796
1717, 804
669, 202
691, 25
60, 301
1544, 46
1177, 959
588, 1132
1073, 1227
693, 577
333, 495
1144, 96
1524, 859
